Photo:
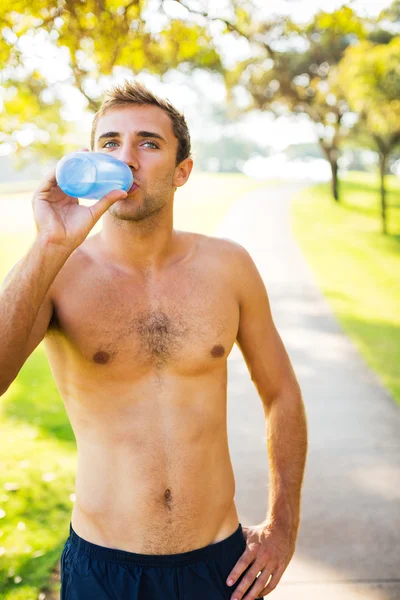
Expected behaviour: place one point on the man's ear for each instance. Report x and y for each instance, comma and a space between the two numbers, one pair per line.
182, 172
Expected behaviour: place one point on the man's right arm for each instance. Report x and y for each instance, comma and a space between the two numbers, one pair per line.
25, 300
26, 306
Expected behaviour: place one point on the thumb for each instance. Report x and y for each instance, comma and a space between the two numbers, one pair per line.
104, 203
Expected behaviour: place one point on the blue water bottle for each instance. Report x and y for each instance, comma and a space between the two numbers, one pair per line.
92, 175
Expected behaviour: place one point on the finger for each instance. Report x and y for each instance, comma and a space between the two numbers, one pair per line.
247, 581
242, 564
104, 204
273, 582
257, 589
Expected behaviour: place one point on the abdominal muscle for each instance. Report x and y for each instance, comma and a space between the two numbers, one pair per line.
154, 478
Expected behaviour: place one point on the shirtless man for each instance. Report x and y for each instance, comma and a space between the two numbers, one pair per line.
138, 322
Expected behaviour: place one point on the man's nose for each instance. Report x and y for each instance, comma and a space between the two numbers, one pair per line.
129, 156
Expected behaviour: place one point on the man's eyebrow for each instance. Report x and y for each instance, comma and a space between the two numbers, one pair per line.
152, 134
108, 135
147, 134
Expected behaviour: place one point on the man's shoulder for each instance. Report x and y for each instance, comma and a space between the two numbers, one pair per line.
226, 260
235, 262
221, 247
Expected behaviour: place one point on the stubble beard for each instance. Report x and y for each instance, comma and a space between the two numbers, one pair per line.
151, 204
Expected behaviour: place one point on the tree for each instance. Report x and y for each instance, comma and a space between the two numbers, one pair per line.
97, 36
369, 76
391, 13
292, 67
294, 73
289, 68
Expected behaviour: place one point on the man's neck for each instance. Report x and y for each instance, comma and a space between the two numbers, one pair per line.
147, 245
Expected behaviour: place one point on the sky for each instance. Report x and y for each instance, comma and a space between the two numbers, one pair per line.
262, 128
302, 10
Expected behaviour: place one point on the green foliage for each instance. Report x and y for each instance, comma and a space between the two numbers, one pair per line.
25, 108
369, 75
392, 12
298, 78
336, 30
296, 70
291, 69
99, 36
292, 75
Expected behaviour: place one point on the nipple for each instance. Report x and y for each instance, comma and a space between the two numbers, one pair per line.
217, 351
101, 358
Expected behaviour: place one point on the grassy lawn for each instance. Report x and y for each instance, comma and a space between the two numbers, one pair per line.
357, 268
37, 448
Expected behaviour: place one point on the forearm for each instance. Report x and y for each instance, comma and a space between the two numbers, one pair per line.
21, 296
286, 428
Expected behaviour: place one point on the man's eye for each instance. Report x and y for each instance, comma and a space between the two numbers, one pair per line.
152, 144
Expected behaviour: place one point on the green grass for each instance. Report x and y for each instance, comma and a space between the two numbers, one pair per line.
37, 448
38, 460
357, 267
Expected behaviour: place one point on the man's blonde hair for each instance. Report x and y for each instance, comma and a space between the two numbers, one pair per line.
134, 92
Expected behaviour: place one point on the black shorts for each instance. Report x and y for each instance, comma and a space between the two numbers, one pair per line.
91, 572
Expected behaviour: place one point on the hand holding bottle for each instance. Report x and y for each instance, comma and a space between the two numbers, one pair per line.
60, 219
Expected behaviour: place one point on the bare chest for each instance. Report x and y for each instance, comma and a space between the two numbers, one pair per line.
186, 322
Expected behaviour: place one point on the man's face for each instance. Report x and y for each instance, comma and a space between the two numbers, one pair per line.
143, 138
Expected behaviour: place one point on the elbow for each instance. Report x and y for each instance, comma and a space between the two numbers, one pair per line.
4, 385
288, 397
3, 389
8, 376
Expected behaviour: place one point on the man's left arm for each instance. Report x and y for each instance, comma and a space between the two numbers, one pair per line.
271, 544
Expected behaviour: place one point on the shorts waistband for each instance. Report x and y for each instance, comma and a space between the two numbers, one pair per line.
213, 551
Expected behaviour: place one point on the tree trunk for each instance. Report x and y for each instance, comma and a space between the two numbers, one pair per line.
335, 179
382, 167
332, 155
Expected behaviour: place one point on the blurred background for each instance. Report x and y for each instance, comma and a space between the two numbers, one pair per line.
282, 99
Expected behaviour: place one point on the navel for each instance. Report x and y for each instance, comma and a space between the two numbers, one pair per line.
167, 494
101, 358
218, 351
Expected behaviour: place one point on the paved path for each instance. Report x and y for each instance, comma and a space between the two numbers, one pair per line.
349, 540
